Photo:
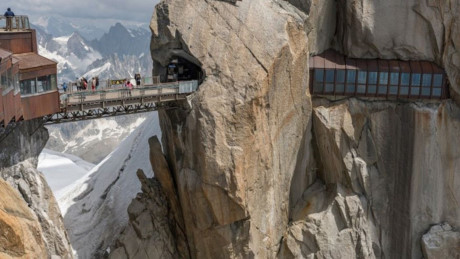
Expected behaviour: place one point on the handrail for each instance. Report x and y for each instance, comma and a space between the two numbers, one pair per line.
123, 93
19, 22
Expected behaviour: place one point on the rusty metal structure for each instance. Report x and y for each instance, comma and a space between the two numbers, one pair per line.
332, 73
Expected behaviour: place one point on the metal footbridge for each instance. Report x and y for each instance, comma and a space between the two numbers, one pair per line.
114, 101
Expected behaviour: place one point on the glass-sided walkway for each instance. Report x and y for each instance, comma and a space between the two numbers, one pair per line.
332, 73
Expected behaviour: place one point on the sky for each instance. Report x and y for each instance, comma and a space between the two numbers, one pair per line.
103, 11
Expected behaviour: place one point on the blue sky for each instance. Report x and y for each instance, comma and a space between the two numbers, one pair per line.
135, 11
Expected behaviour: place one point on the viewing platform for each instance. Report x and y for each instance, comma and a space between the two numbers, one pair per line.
18, 23
88, 104
333, 74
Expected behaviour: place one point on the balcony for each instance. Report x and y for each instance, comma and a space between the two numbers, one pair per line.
19, 23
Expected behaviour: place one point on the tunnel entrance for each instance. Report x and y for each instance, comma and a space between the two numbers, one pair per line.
180, 69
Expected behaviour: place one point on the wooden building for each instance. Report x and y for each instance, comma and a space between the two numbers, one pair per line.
10, 101
36, 75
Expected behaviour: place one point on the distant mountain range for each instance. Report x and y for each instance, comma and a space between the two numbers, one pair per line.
118, 53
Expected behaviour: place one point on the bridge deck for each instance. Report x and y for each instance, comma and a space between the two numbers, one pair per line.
85, 105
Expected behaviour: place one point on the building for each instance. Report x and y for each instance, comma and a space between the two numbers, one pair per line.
33, 76
332, 73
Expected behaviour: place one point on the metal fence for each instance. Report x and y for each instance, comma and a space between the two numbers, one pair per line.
18, 22
123, 93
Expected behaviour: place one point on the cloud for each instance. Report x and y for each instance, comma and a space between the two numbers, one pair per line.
133, 10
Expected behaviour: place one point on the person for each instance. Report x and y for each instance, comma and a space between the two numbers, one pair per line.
64, 87
9, 19
93, 83
97, 82
138, 79
129, 85
84, 83
78, 83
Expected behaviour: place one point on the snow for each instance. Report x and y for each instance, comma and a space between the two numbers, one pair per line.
95, 206
61, 170
62, 40
92, 140
98, 70
65, 57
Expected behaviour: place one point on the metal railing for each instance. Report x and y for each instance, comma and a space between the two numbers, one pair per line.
18, 22
109, 84
123, 93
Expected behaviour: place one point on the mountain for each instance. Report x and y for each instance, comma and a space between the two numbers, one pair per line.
61, 170
92, 140
59, 26
54, 25
95, 206
124, 41
119, 53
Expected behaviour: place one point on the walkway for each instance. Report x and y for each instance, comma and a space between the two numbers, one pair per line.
86, 105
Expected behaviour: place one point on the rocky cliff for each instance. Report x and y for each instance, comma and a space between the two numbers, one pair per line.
29, 207
259, 168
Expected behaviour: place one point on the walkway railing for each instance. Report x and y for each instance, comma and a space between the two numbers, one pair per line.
108, 96
85, 105
19, 22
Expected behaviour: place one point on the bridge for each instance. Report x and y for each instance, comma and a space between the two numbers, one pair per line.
28, 85
84, 105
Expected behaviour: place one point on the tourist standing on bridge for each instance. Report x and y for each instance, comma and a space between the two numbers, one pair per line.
64, 87
93, 83
84, 83
138, 79
129, 85
9, 19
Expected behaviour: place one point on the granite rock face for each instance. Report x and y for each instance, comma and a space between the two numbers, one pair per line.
20, 150
148, 234
410, 30
397, 160
260, 171
20, 231
441, 242
234, 155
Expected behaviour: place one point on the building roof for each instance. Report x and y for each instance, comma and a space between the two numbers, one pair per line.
331, 59
4, 53
31, 60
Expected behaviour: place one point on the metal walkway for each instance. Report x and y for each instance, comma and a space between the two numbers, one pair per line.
85, 105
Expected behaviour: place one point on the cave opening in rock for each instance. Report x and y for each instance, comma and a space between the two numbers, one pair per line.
180, 69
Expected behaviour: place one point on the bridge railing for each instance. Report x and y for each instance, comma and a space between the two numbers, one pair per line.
18, 22
123, 93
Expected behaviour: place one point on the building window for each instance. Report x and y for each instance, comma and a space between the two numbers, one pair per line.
329, 81
340, 81
383, 82
394, 83
426, 84
4, 80
416, 79
28, 87
351, 81
437, 80
38, 85
372, 83
405, 80
361, 82
436, 92
318, 83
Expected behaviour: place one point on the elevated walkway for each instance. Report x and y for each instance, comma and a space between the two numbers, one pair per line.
84, 105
